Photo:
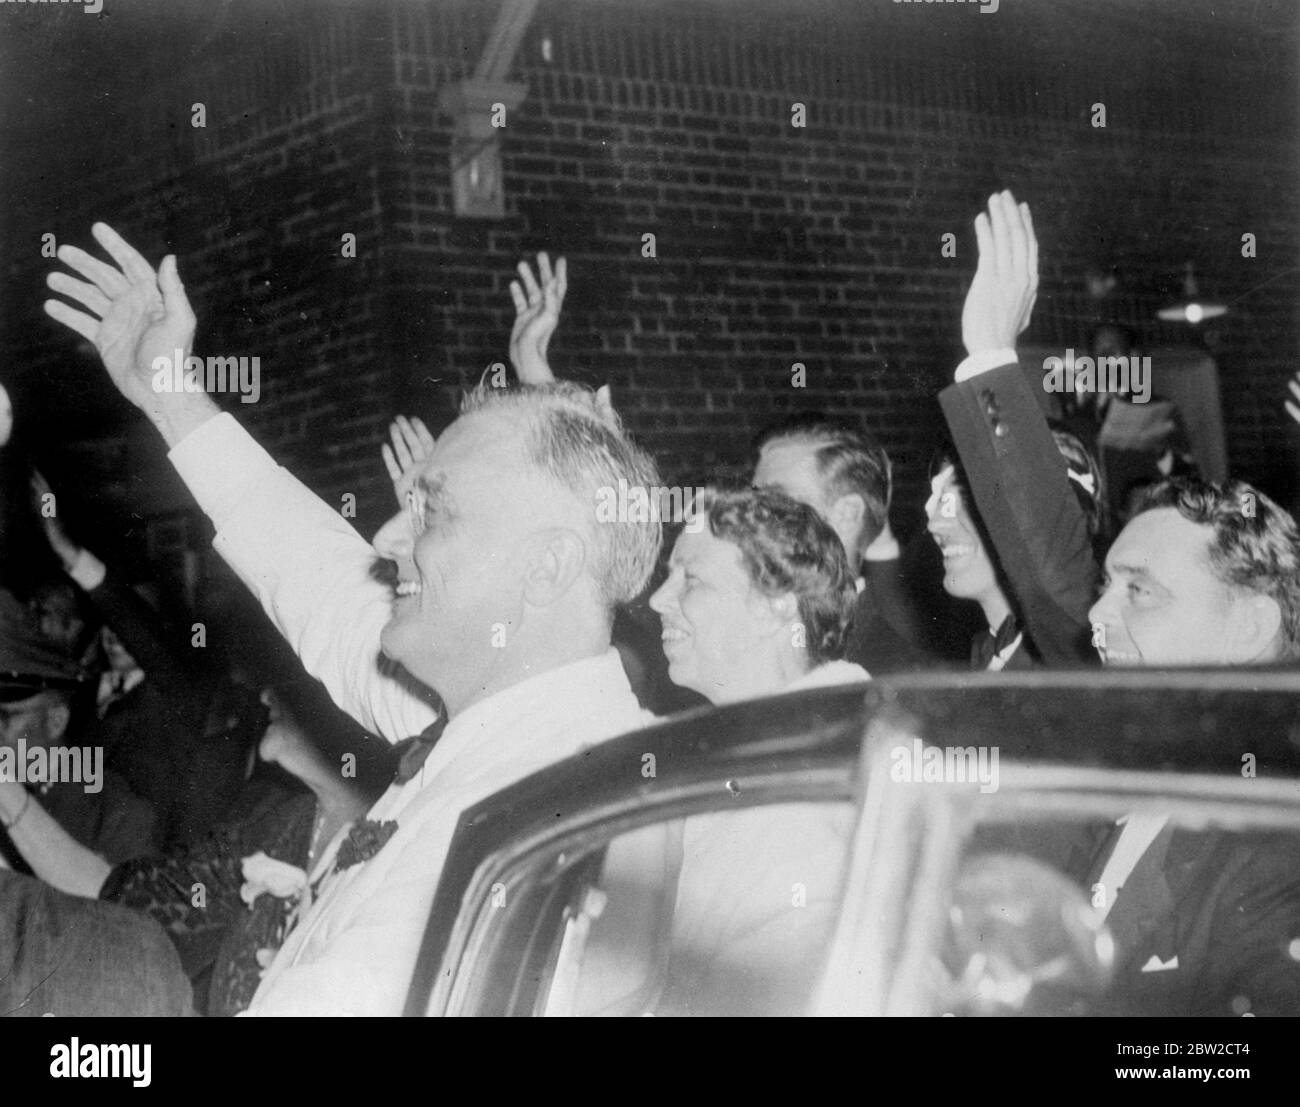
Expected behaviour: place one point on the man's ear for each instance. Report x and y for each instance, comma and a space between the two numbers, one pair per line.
848, 515
556, 559
1255, 627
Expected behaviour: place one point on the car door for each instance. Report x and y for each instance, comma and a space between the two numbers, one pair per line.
709, 887
1137, 851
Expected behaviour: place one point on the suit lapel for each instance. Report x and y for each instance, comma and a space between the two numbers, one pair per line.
1143, 922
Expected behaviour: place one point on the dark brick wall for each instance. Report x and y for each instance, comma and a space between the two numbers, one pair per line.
775, 244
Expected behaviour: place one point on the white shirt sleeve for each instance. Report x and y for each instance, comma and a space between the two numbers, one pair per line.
309, 570
982, 362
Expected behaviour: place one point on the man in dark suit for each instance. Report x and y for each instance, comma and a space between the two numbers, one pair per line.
1205, 921
845, 476
1032, 504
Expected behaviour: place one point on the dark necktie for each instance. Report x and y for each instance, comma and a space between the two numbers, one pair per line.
413, 751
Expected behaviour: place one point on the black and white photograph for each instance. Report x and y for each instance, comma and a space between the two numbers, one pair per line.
726, 508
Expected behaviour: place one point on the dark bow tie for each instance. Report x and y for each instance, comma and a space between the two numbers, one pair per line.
413, 751
988, 645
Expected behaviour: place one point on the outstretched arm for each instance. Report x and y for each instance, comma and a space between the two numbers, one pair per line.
53, 854
288, 547
1017, 476
136, 319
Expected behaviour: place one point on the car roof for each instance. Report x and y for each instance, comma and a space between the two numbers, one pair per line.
1185, 720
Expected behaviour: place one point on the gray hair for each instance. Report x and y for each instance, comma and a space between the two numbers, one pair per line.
581, 446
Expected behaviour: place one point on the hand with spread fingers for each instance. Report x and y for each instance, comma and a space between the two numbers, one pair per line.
537, 313
133, 316
405, 458
1001, 297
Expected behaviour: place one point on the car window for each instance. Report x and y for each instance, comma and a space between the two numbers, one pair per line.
1173, 912
720, 913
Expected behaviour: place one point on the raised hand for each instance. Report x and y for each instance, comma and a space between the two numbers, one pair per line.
405, 458
537, 313
132, 314
1293, 410
1001, 297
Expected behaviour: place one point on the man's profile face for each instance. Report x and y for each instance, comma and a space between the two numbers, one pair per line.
714, 620
790, 466
39, 720
1161, 604
968, 572
457, 550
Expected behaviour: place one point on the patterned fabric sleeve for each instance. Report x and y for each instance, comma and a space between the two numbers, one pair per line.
193, 892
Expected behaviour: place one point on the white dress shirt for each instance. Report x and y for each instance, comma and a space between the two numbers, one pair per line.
309, 570
356, 949
1137, 833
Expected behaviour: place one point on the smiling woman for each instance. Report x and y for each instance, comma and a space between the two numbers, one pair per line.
971, 570
757, 599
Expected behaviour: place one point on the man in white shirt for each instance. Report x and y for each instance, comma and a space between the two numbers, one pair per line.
507, 584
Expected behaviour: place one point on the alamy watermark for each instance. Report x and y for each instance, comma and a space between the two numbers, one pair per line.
217, 374
1131, 375
637, 504
40, 764
922, 764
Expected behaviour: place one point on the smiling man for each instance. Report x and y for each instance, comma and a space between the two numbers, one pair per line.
1202, 575
507, 585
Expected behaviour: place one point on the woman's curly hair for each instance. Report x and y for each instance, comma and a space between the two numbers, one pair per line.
788, 548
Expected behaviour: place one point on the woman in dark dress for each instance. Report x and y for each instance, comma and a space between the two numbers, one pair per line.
227, 901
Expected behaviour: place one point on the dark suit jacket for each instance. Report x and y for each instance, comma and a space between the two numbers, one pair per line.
1208, 923
154, 735
882, 636
1040, 536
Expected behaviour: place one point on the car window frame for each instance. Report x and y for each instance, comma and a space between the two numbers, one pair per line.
470, 950
1194, 800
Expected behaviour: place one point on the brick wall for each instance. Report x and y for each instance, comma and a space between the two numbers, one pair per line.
775, 244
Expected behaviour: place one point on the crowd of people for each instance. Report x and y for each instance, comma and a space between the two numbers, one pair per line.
502, 643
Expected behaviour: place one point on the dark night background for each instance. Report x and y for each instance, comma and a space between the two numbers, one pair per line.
776, 245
